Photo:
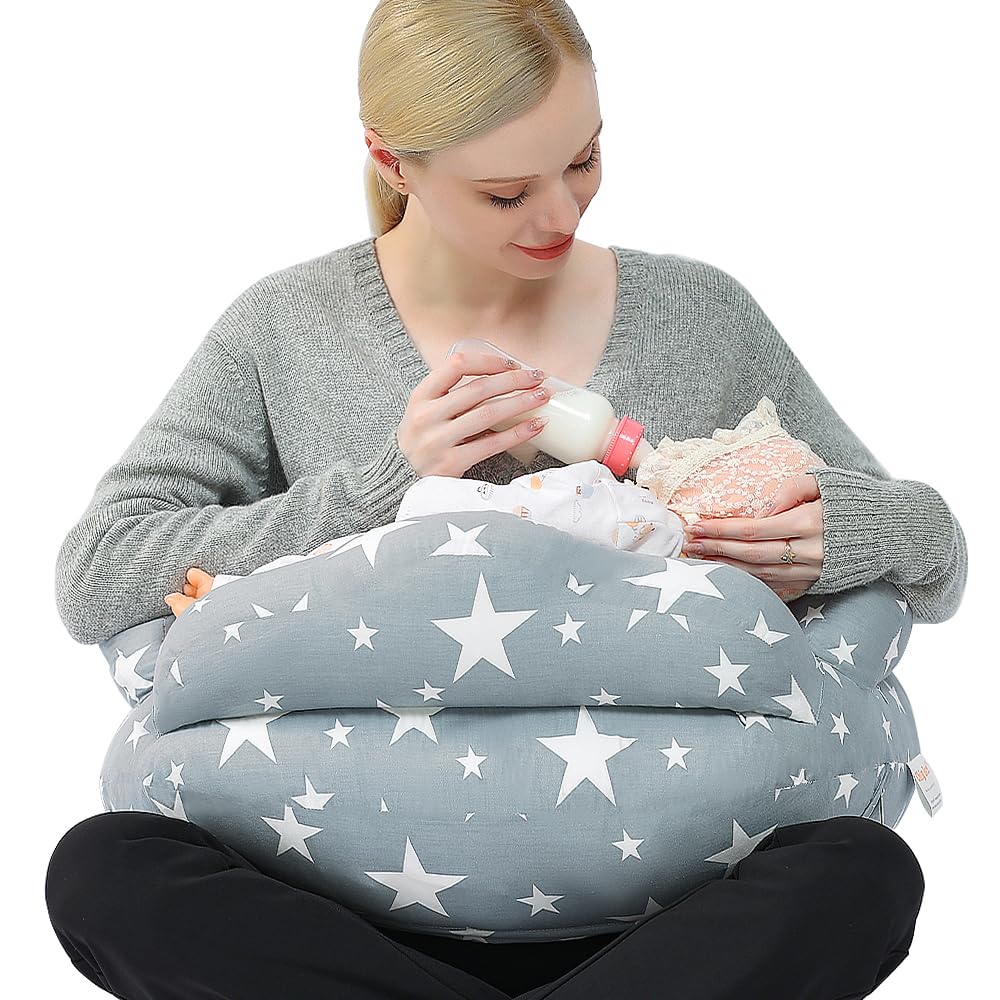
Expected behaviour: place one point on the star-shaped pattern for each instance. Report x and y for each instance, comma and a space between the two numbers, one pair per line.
617, 712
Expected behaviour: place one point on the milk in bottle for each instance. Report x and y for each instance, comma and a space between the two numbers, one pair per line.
581, 423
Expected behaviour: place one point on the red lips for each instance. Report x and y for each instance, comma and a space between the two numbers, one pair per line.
551, 246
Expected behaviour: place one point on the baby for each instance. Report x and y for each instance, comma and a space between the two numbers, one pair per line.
735, 473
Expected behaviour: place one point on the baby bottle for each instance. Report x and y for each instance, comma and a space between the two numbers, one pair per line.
581, 423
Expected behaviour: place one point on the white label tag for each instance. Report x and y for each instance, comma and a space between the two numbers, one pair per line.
927, 784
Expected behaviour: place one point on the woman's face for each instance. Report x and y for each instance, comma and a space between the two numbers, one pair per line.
483, 219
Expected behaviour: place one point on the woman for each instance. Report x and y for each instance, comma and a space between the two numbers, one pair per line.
321, 395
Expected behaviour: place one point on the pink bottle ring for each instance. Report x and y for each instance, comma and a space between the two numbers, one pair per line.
623, 444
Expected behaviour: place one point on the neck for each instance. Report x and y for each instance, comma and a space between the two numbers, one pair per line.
439, 280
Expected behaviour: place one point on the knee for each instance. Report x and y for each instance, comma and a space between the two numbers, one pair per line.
881, 859
85, 870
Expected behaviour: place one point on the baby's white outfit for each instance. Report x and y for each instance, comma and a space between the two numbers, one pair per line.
584, 499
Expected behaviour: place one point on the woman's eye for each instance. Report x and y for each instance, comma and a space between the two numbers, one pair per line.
504, 203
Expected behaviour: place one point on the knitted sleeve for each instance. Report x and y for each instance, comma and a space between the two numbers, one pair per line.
874, 526
190, 491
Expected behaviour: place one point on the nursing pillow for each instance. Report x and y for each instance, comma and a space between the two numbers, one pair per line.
469, 724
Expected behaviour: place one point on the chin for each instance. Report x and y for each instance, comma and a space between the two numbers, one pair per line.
539, 270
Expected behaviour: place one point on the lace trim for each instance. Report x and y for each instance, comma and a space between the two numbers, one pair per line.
672, 462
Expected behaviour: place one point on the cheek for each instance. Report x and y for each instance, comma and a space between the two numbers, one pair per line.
590, 190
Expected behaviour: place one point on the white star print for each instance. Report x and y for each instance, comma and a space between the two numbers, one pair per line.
423, 768
741, 847
248, 729
175, 672
678, 578
138, 731
292, 834
176, 810
363, 634
586, 753
312, 799
569, 629
482, 633
461, 542
269, 700
604, 698
539, 901
728, 673
840, 727
762, 632
754, 719
338, 734
795, 701
812, 613
892, 653
232, 632
628, 846
428, 692
895, 695
411, 718
847, 785
415, 885
471, 762
843, 652
675, 754
370, 541
637, 615
125, 673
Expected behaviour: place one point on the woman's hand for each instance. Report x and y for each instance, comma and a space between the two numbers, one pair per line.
755, 544
445, 433
198, 585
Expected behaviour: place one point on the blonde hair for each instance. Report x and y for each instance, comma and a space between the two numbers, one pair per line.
436, 73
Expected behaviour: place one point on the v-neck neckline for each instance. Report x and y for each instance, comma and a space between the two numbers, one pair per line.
387, 334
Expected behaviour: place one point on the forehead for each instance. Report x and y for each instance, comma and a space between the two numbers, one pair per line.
504, 159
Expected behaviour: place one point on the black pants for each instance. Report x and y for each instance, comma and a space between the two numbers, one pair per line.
150, 907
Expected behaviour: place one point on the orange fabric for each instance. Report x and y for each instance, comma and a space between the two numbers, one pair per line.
198, 585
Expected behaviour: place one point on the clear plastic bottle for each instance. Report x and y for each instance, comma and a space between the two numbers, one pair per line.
581, 423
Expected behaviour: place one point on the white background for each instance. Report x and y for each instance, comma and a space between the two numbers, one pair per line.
837, 160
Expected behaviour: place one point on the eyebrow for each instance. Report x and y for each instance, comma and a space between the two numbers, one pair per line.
530, 177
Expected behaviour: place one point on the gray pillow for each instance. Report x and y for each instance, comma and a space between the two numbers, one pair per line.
472, 725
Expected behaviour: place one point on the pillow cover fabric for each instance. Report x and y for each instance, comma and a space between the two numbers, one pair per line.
470, 724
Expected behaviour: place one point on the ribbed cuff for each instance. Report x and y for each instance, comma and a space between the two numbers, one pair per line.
385, 480
864, 521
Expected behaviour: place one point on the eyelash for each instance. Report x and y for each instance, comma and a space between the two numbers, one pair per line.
505, 203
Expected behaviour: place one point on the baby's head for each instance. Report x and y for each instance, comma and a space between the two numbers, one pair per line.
734, 473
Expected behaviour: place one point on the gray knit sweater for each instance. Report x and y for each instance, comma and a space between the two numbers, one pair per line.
279, 434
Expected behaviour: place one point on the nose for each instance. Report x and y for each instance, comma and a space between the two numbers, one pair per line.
564, 214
